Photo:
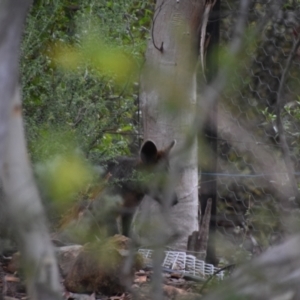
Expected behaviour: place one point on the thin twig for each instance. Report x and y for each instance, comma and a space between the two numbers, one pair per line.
213, 275
127, 269
161, 48
208, 7
79, 117
282, 139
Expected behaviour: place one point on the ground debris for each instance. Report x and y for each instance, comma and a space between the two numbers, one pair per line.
94, 272
98, 267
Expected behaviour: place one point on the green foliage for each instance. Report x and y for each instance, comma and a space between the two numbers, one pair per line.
63, 177
91, 104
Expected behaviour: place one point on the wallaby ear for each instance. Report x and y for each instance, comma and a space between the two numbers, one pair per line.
148, 152
168, 149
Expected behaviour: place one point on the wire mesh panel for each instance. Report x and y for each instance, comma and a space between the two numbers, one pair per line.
188, 264
175, 260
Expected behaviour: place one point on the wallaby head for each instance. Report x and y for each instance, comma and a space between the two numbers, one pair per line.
150, 155
155, 163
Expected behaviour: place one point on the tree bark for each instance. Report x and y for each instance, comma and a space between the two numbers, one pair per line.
168, 100
209, 133
21, 201
197, 242
23, 206
12, 17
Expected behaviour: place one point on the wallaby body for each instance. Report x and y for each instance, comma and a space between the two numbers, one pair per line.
133, 178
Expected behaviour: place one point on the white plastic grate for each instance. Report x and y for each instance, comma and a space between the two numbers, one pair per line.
188, 264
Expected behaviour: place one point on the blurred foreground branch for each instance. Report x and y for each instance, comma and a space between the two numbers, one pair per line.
21, 201
273, 275
282, 139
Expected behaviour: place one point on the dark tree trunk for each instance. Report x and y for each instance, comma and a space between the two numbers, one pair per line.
210, 135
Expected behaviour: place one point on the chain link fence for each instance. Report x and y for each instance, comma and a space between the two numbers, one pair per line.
256, 203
